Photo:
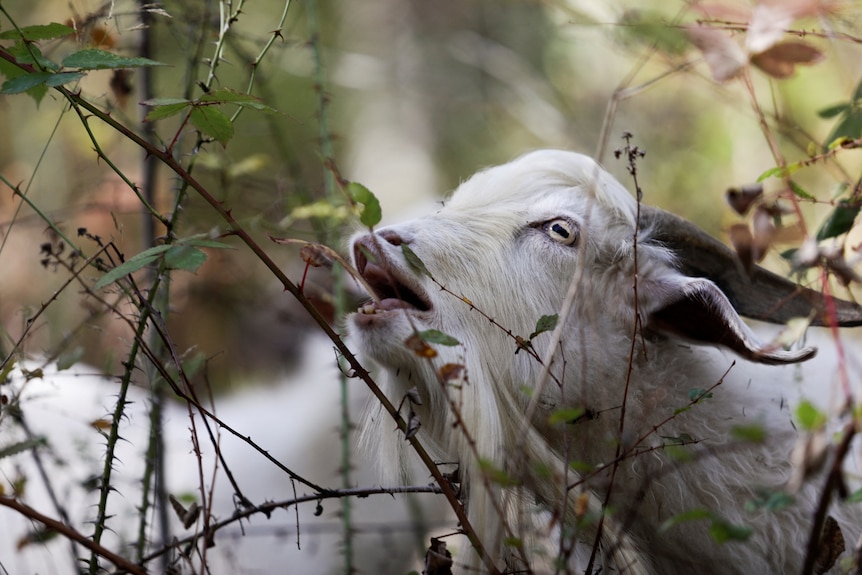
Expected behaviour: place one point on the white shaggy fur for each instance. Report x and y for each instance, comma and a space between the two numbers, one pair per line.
495, 243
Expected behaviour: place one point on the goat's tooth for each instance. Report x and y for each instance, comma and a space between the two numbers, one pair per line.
368, 309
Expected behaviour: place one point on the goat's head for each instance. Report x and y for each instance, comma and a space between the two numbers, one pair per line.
512, 238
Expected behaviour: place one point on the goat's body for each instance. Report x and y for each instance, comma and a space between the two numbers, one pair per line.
490, 245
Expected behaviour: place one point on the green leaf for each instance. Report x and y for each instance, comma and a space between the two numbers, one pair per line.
24, 82
371, 213
212, 122
203, 242
809, 417
684, 517
566, 415
850, 126
184, 257
698, 394
777, 170
413, 260
38, 32
161, 111
545, 323
857, 95
436, 336
833, 111
854, 497
839, 221
24, 54
799, 192
10, 70
94, 59
753, 433
69, 358
770, 501
723, 531
681, 439
63, 78
131, 265
228, 96
22, 446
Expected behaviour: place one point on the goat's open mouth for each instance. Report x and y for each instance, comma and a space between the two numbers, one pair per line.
390, 290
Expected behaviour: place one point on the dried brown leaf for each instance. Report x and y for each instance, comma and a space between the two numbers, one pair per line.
743, 244
315, 255
452, 372
413, 425
420, 347
780, 61
740, 199
831, 546
764, 232
438, 559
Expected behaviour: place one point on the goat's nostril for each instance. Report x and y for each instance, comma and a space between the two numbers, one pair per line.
392, 237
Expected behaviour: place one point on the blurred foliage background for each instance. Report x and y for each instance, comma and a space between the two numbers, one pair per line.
408, 98
416, 97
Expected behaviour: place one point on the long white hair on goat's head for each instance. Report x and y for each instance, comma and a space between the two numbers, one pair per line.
506, 249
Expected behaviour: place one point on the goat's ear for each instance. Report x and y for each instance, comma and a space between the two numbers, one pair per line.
759, 294
695, 309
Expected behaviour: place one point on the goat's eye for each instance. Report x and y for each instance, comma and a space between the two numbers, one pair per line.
561, 230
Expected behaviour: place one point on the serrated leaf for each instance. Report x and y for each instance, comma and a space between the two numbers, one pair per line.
95, 59
436, 336
567, 415
22, 446
545, 323
30, 54
212, 122
63, 78
832, 111
413, 260
184, 257
162, 111
131, 265
38, 32
24, 82
371, 213
165, 101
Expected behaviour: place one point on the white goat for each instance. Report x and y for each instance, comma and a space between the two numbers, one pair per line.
508, 246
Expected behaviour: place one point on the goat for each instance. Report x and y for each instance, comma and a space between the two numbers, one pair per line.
576, 436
